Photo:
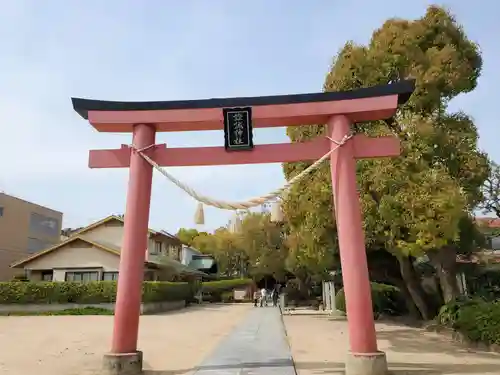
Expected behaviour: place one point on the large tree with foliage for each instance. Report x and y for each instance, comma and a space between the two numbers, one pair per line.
188, 235
491, 191
256, 250
224, 247
311, 233
412, 204
263, 243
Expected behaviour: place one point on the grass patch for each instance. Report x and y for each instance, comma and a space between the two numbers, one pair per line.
76, 311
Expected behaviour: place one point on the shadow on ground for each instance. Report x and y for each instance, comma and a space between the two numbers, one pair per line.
419, 341
404, 368
333, 368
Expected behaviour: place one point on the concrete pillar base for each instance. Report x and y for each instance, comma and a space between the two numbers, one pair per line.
366, 364
122, 363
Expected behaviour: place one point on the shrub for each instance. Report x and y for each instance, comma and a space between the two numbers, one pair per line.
91, 292
77, 311
477, 319
19, 278
214, 291
386, 299
224, 285
449, 313
294, 292
227, 297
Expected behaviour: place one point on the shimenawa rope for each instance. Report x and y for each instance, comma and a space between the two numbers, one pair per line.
254, 202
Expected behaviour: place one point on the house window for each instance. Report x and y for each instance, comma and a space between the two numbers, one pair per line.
43, 224
47, 275
110, 276
36, 244
156, 248
1, 211
82, 276
174, 253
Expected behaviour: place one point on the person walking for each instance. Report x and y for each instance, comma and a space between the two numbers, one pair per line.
275, 297
263, 297
255, 298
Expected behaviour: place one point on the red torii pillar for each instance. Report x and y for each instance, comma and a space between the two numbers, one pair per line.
337, 109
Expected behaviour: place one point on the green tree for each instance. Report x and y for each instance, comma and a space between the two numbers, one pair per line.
412, 204
410, 209
231, 256
204, 242
491, 191
224, 247
188, 235
257, 249
311, 232
263, 244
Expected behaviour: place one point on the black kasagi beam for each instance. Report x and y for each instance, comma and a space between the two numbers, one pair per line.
403, 89
238, 130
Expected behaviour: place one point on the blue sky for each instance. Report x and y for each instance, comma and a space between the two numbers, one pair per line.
170, 50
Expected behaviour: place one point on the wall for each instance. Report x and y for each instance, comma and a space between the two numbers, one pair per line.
151, 256
187, 254
16, 231
110, 232
168, 248
495, 243
75, 255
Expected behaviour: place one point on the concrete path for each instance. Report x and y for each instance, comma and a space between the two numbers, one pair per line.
319, 345
257, 346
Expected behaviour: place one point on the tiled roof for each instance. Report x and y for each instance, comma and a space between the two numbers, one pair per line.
490, 222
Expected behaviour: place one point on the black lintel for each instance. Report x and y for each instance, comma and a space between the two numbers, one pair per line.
403, 89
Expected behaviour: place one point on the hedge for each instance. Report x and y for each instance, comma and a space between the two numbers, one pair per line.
221, 290
76, 311
91, 292
386, 299
476, 319
224, 285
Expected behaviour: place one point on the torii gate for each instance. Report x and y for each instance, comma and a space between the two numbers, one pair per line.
336, 109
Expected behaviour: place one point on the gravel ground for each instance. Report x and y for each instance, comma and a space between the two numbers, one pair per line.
319, 345
173, 343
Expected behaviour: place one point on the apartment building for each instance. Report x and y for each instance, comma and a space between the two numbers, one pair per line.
25, 228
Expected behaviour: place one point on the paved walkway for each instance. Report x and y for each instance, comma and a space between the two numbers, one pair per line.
257, 346
319, 345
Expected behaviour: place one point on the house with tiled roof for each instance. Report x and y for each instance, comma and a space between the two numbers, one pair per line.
492, 230
92, 253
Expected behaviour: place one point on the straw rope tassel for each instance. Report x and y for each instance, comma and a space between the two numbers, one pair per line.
199, 216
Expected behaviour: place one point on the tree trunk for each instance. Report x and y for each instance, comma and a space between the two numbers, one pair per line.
414, 287
383, 277
444, 262
413, 310
384, 268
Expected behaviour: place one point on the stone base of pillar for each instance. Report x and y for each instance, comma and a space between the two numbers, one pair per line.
122, 364
366, 364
